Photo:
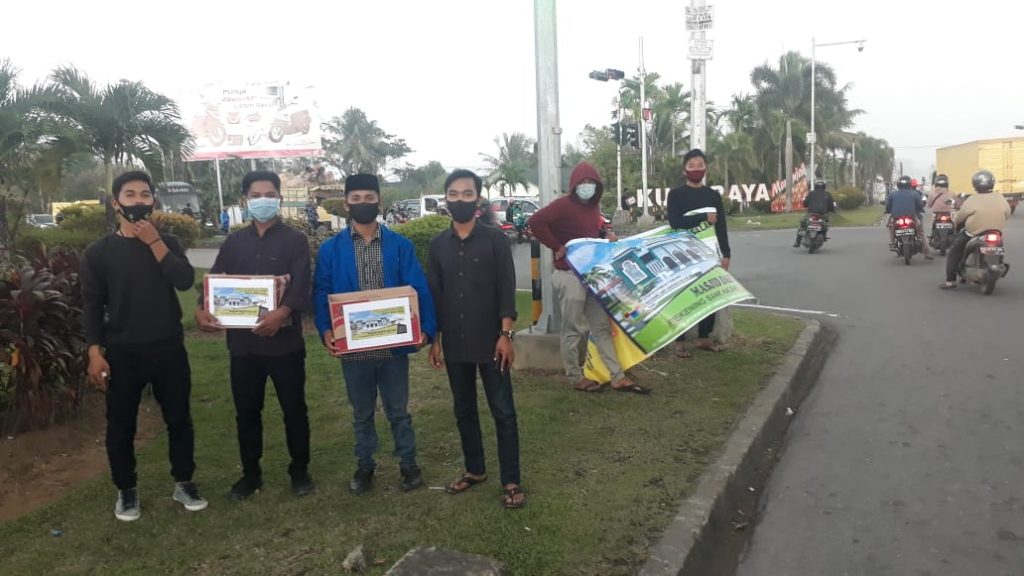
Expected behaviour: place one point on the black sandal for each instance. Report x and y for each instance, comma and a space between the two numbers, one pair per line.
466, 480
508, 499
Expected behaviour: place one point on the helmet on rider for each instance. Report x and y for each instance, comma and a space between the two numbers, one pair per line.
904, 183
942, 181
983, 181
819, 185
913, 183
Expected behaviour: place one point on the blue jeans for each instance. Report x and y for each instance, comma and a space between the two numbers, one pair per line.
362, 380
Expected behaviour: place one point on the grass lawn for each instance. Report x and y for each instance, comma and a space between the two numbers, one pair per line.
864, 216
605, 474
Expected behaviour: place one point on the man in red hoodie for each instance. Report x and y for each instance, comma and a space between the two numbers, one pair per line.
578, 215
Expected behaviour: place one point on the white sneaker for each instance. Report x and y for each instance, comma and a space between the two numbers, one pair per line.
127, 507
188, 496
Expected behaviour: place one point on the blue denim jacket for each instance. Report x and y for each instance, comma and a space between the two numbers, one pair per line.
336, 273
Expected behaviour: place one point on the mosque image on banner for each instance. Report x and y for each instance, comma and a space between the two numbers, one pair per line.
655, 287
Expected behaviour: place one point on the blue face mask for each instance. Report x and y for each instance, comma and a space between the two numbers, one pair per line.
264, 209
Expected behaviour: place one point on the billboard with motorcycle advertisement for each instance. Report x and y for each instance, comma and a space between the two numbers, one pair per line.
254, 120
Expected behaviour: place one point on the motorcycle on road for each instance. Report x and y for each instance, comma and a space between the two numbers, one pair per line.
812, 232
906, 239
982, 263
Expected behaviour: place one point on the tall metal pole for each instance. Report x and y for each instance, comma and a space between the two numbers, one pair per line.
618, 155
643, 134
814, 137
698, 98
853, 165
220, 192
549, 145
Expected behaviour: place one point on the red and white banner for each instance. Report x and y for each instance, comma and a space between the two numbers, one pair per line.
254, 120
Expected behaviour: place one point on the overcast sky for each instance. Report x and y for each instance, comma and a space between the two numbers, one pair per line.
450, 75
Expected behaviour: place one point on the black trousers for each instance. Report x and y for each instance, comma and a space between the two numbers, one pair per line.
955, 255
498, 389
248, 388
131, 368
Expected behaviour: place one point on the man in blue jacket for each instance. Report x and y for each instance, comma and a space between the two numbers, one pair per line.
368, 256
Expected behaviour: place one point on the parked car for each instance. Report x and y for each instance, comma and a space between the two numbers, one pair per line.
41, 220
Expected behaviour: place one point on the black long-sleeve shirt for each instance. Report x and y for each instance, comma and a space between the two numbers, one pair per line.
282, 250
473, 281
128, 297
686, 199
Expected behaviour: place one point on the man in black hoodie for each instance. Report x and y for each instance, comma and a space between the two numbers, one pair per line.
819, 201
134, 334
695, 206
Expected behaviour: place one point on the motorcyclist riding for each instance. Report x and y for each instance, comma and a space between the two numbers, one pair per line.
980, 213
906, 201
938, 200
818, 201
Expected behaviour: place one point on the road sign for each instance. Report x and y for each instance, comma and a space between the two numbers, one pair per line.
699, 18
812, 138
701, 49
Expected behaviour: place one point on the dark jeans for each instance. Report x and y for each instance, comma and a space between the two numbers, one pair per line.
131, 368
498, 389
391, 377
955, 255
248, 388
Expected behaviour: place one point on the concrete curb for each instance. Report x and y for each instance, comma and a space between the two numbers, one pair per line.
708, 533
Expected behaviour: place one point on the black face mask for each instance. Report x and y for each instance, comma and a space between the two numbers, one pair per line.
364, 213
462, 211
136, 212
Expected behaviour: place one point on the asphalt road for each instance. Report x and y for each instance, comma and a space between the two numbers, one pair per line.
907, 458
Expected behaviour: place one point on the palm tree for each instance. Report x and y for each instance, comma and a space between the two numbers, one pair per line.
734, 156
424, 178
121, 122
510, 167
671, 113
355, 144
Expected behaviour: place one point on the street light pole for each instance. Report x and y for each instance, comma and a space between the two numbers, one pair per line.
643, 136
813, 138
548, 143
698, 97
618, 153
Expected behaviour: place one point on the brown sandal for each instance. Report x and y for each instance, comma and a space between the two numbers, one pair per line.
588, 386
466, 480
508, 498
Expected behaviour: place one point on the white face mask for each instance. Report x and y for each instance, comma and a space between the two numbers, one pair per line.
586, 191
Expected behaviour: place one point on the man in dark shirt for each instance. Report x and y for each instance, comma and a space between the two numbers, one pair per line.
134, 334
275, 347
473, 281
819, 201
368, 256
694, 207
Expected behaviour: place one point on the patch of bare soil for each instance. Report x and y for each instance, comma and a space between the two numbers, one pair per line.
39, 467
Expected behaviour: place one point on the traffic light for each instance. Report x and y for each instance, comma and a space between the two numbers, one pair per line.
599, 75
631, 135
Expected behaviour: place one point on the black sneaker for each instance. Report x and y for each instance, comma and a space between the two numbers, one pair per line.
361, 482
127, 508
302, 485
412, 478
187, 494
245, 487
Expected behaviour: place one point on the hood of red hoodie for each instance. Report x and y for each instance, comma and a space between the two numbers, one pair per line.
584, 171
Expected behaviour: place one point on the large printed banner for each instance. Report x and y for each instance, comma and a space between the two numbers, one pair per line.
254, 120
655, 286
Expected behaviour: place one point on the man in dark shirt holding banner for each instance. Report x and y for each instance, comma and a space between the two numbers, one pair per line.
698, 208
275, 347
473, 281
134, 335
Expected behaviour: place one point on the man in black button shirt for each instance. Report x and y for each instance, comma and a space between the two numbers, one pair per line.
472, 278
134, 334
275, 347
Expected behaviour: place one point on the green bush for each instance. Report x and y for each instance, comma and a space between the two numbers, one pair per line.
734, 207
335, 206
849, 198
180, 225
762, 206
30, 239
421, 231
85, 217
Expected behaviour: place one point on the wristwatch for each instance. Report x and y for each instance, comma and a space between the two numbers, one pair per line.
511, 335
